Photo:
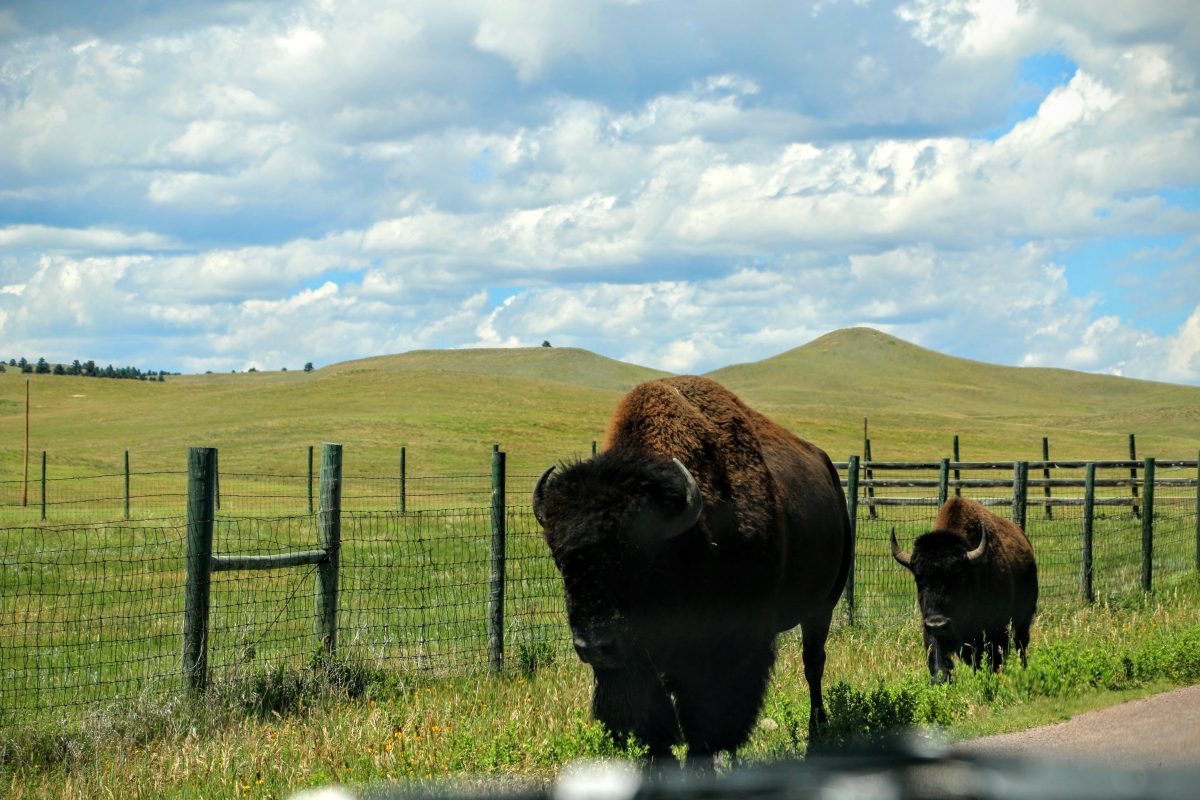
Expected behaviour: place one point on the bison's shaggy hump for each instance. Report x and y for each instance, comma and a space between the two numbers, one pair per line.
719, 434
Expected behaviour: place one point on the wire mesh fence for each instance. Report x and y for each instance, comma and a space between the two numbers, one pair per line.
93, 613
154, 495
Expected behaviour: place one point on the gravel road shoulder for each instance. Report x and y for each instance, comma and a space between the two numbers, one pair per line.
1162, 730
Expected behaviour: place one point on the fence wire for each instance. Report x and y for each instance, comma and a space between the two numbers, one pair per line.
89, 614
93, 613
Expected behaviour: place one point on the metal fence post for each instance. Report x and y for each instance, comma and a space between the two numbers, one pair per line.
1198, 511
496, 583
43, 486
852, 513
1148, 524
403, 481
1020, 492
331, 543
1089, 512
310, 479
202, 469
126, 484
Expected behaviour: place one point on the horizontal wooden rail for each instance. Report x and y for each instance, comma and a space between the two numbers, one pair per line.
278, 561
1008, 465
995, 483
1003, 501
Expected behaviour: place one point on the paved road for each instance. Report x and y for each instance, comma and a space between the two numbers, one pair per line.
1163, 730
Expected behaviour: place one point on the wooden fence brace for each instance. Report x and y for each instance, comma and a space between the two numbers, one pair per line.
869, 475
496, 582
403, 480
1046, 473
1020, 492
943, 482
1089, 506
202, 469
310, 479
330, 524
852, 513
1148, 526
43, 486
126, 484
957, 473
1133, 473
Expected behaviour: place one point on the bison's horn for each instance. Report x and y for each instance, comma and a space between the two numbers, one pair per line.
695, 505
980, 552
902, 557
538, 490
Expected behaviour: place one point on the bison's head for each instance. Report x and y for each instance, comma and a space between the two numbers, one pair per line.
941, 562
607, 521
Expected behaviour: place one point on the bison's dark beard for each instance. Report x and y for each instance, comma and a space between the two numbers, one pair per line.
631, 701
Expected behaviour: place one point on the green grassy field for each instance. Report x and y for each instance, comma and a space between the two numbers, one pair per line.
270, 736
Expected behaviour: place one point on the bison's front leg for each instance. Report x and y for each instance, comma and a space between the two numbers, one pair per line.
718, 697
940, 665
631, 701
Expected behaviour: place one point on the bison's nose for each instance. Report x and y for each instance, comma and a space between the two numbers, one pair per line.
601, 650
937, 623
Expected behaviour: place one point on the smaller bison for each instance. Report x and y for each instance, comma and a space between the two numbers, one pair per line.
975, 576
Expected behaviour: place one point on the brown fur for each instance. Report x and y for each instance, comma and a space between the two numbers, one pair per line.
996, 594
771, 550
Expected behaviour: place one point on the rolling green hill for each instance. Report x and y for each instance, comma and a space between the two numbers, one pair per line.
916, 400
542, 404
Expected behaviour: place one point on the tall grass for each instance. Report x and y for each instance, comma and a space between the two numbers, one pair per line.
266, 734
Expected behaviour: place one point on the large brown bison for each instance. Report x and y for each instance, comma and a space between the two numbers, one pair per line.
976, 576
700, 532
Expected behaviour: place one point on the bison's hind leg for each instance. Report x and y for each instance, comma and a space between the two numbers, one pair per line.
1021, 637
814, 631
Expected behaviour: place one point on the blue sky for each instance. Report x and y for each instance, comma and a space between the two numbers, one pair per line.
217, 186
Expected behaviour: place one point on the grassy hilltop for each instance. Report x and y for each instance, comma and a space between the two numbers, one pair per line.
543, 404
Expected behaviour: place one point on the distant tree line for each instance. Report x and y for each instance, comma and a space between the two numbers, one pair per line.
86, 369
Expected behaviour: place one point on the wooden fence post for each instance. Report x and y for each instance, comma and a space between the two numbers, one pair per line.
1046, 474
496, 583
310, 479
1133, 473
593, 448
1020, 492
1089, 511
852, 513
869, 474
1148, 525
202, 469
43, 486
957, 474
126, 484
331, 543
1198, 511
403, 481
943, 482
